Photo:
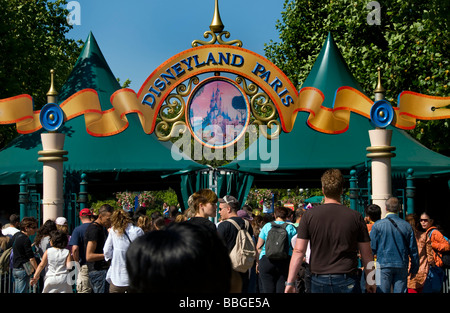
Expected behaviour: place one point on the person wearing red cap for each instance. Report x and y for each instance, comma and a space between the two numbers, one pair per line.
79, 253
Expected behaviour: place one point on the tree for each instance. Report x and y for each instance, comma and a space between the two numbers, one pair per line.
410, 45
33, 41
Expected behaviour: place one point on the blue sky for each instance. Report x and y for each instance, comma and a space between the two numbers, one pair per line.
136, 36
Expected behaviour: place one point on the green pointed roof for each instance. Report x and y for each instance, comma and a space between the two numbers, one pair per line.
130, 151
91, 71
305, 149
330, 72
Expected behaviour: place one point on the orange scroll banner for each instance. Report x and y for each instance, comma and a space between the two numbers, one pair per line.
412, 106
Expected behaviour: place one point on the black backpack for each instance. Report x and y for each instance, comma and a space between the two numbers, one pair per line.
277, 242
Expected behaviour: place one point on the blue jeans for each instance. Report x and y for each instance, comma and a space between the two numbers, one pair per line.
393, 278
98, 281
21, 280
335, 283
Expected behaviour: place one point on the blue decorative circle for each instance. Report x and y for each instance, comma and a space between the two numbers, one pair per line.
51, 117
381, 114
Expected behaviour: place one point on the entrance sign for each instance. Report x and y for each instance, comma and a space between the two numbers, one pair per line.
221, 59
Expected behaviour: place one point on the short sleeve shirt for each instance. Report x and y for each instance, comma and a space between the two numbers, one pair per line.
77, 239
334, 232
98, 233
228, 232
290, 229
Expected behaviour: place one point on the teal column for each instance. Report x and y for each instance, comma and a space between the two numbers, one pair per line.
353, 191
23, 196
410, 191
83, 195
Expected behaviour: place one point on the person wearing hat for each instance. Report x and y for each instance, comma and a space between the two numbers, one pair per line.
244, 214
79, 253
228, 209
62, 226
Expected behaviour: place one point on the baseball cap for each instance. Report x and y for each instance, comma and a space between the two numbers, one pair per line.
60, 220
85, 212
228, 199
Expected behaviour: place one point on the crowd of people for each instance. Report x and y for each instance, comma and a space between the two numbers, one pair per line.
323, 249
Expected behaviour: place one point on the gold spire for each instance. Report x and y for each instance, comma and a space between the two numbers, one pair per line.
216, 24
379, 88
52, 91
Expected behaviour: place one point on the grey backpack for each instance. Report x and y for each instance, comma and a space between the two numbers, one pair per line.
277, 242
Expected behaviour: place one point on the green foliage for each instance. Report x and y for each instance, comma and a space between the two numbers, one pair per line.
96, 205
33, 41
168, 196
411, 46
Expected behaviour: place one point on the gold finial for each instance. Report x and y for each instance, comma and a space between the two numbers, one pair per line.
379, 89
216, 27
216, 24
52, 92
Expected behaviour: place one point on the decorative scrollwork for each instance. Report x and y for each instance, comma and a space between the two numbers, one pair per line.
262, 101
216, 38
196, 42
184, 91
227, 35
265, 114
270, 124
165, 129
250, 89
172, 111
176, 129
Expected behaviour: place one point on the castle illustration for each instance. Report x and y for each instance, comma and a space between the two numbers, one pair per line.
218, 118
216, 115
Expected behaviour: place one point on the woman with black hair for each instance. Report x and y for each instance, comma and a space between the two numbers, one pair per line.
439, 246
182, 258
58, 259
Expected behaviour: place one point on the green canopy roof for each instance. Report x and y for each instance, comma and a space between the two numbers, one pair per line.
129, 151
305, 149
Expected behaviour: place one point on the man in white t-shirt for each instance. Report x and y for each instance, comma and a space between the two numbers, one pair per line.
14, 221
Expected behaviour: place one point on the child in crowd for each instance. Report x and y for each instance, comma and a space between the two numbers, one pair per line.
58, 259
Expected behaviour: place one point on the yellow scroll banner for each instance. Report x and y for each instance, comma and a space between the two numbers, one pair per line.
411, 107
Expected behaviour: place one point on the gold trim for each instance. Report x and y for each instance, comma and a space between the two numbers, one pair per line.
380, 148
380, 155
52, 159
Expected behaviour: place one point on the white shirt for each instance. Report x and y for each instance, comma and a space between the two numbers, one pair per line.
9, 231
115, 249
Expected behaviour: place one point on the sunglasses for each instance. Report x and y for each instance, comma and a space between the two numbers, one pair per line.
424, 220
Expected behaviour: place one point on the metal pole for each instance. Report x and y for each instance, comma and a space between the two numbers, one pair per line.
23, 196
354, 191
410, 191
82, 198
